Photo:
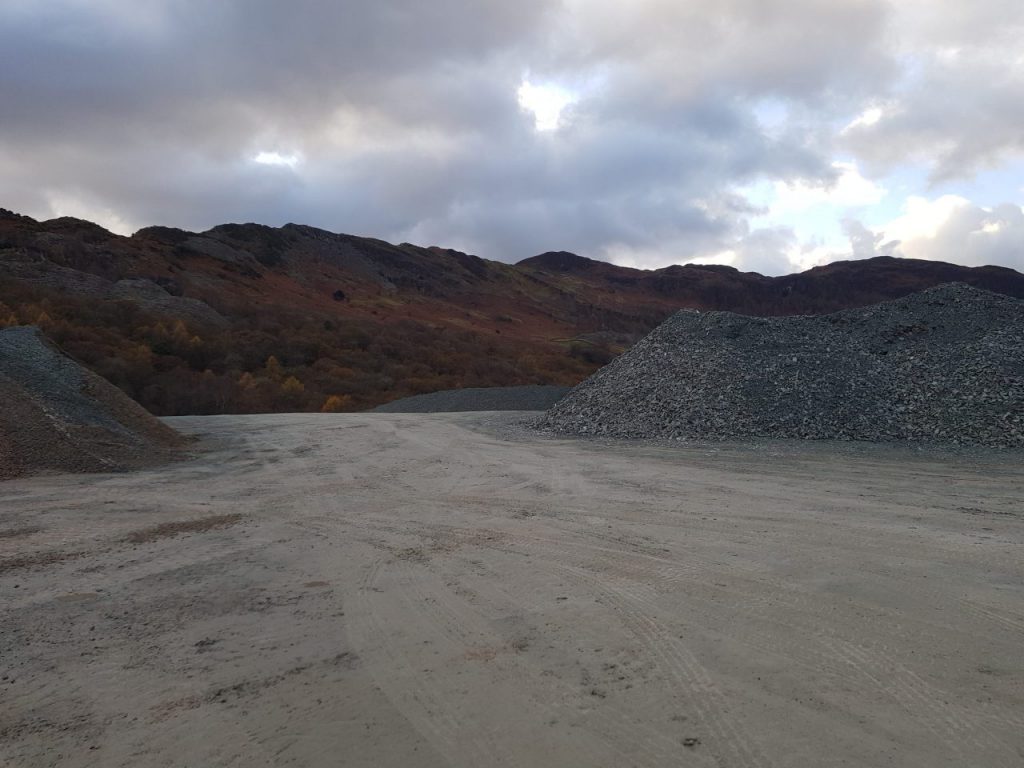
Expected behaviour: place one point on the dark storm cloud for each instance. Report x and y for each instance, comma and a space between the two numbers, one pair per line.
403, 120
197, 63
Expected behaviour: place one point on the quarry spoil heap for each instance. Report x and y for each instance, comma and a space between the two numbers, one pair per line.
58, 416
945, 365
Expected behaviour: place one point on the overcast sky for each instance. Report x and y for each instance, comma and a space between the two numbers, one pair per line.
772, 135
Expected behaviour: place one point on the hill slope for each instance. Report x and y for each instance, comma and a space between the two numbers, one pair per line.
247, 318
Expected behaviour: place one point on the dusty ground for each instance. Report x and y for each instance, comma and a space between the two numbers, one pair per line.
393, 590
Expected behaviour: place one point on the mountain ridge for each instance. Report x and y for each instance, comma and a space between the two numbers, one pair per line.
187, 322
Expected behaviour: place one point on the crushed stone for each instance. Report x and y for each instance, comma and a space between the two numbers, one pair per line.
525, 398
945, 365
59, 416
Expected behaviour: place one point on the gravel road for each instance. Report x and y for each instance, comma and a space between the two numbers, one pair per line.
426, 590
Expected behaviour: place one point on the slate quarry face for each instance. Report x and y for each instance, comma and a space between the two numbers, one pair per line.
942, 366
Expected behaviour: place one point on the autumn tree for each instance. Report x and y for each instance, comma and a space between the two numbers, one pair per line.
273, 368
337, 404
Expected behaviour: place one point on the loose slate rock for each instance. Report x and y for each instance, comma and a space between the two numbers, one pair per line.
538, 397
942, 366
58, 416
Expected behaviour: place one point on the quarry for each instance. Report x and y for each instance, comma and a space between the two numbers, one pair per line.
547, 384
745, 542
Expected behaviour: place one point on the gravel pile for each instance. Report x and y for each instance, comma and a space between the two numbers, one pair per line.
943, 366
56, 415
529, 398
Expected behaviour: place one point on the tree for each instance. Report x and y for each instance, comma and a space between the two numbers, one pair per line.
273, 368
292, 386
337, 404
7, 316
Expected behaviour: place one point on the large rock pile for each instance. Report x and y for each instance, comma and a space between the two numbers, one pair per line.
944, 365
56, 415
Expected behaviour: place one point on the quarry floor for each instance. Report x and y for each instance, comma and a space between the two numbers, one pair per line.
449, 590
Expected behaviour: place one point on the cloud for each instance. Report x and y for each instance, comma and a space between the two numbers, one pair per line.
848, 189
953, 229
768, 251
545, 102
946, 228
865, 243
958, 102
419, 121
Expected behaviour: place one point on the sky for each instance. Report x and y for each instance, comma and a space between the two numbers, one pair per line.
769, 135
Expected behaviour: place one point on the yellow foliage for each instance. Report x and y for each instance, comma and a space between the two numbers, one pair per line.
336, 404
180, 332
273, 366
7, 316
292, 386
138, 355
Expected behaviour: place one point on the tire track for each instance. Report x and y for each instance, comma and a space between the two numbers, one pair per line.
912, 693
433, 716
764, 609
907, 687
631, 736
736, 749
450, 620
952, 724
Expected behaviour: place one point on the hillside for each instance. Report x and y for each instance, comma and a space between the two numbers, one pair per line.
249, 318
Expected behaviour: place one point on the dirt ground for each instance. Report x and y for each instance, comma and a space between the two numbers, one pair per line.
440, 590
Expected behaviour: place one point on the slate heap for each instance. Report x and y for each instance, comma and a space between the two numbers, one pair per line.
945, 365
58, 416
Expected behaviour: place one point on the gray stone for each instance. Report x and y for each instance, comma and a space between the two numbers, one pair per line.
943, 365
